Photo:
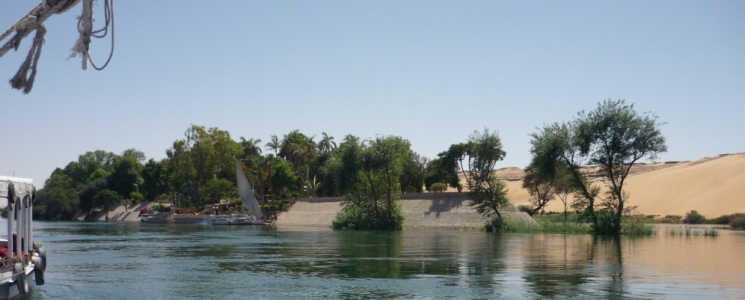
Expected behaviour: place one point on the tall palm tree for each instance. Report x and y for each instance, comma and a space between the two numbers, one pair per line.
251, 147
326, 144
274, 144
251, 150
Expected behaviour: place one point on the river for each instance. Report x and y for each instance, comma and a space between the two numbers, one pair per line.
168, 261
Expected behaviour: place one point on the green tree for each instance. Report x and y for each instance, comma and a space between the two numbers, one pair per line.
373, 170
138, 155
105, 199
126, 176
251, 150
541, 188
58, 198
282, 178
414, 172
154, 179
693, 217
88, 194
488, 194
80, 171
274, 144
326, 144
613, 137
203, 154
98, 173
215, 190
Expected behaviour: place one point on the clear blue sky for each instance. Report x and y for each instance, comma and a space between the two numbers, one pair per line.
429, 71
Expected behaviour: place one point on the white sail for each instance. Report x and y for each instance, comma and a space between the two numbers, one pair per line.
247, 193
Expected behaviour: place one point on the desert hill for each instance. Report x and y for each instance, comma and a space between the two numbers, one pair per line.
713, 186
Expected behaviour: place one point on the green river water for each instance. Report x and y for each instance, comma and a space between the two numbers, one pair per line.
169, 261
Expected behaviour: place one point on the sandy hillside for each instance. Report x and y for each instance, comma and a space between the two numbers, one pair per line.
712, 186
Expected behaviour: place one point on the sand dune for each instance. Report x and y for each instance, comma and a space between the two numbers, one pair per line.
712, 186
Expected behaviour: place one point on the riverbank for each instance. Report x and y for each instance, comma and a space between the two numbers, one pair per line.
421, 211
118, 212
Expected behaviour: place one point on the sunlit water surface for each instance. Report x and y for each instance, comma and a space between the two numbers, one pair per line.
166, 261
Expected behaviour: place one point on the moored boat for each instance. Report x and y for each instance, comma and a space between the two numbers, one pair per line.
244, 219
221, 220
20, 255
249, 202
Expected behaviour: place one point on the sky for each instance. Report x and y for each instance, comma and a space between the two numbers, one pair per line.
429, 71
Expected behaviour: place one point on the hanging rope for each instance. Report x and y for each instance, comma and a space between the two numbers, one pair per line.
85, 28
33, 21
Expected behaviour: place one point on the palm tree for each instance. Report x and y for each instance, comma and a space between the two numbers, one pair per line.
251, 150
251, 147
274, 144
326, 144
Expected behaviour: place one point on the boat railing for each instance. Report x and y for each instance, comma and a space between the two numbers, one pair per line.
6, 265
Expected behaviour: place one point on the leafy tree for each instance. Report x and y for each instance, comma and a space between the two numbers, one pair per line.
613, 137
88, 194
349, 164
215, 190
541, 188
414, 172
283, 178
126, 176
138, 155
58, 199
328, 164
563, 186
446, 166
488, 194
299, 150
154, 179
203, 154
106, 198
136, 197
693, 217
373, 170
92, 161
98, 173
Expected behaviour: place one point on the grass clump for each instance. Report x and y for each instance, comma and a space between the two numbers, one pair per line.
691, 232
554, 223
633, 225
543, 226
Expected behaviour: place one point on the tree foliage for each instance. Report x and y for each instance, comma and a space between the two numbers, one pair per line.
613, 137
105, 199
371, 172
540, 186
58, 200
488, 194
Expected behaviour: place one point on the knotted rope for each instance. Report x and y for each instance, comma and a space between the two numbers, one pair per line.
33, 21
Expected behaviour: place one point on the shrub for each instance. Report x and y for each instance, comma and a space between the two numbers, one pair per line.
438, 187
737, 221
524, 208
358, 217
693, 217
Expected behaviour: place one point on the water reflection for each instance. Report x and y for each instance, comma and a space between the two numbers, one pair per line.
185, 261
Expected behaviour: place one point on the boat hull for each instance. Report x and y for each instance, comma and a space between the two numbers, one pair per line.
9, 289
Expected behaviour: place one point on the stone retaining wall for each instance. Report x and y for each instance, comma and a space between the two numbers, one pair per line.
442, 211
